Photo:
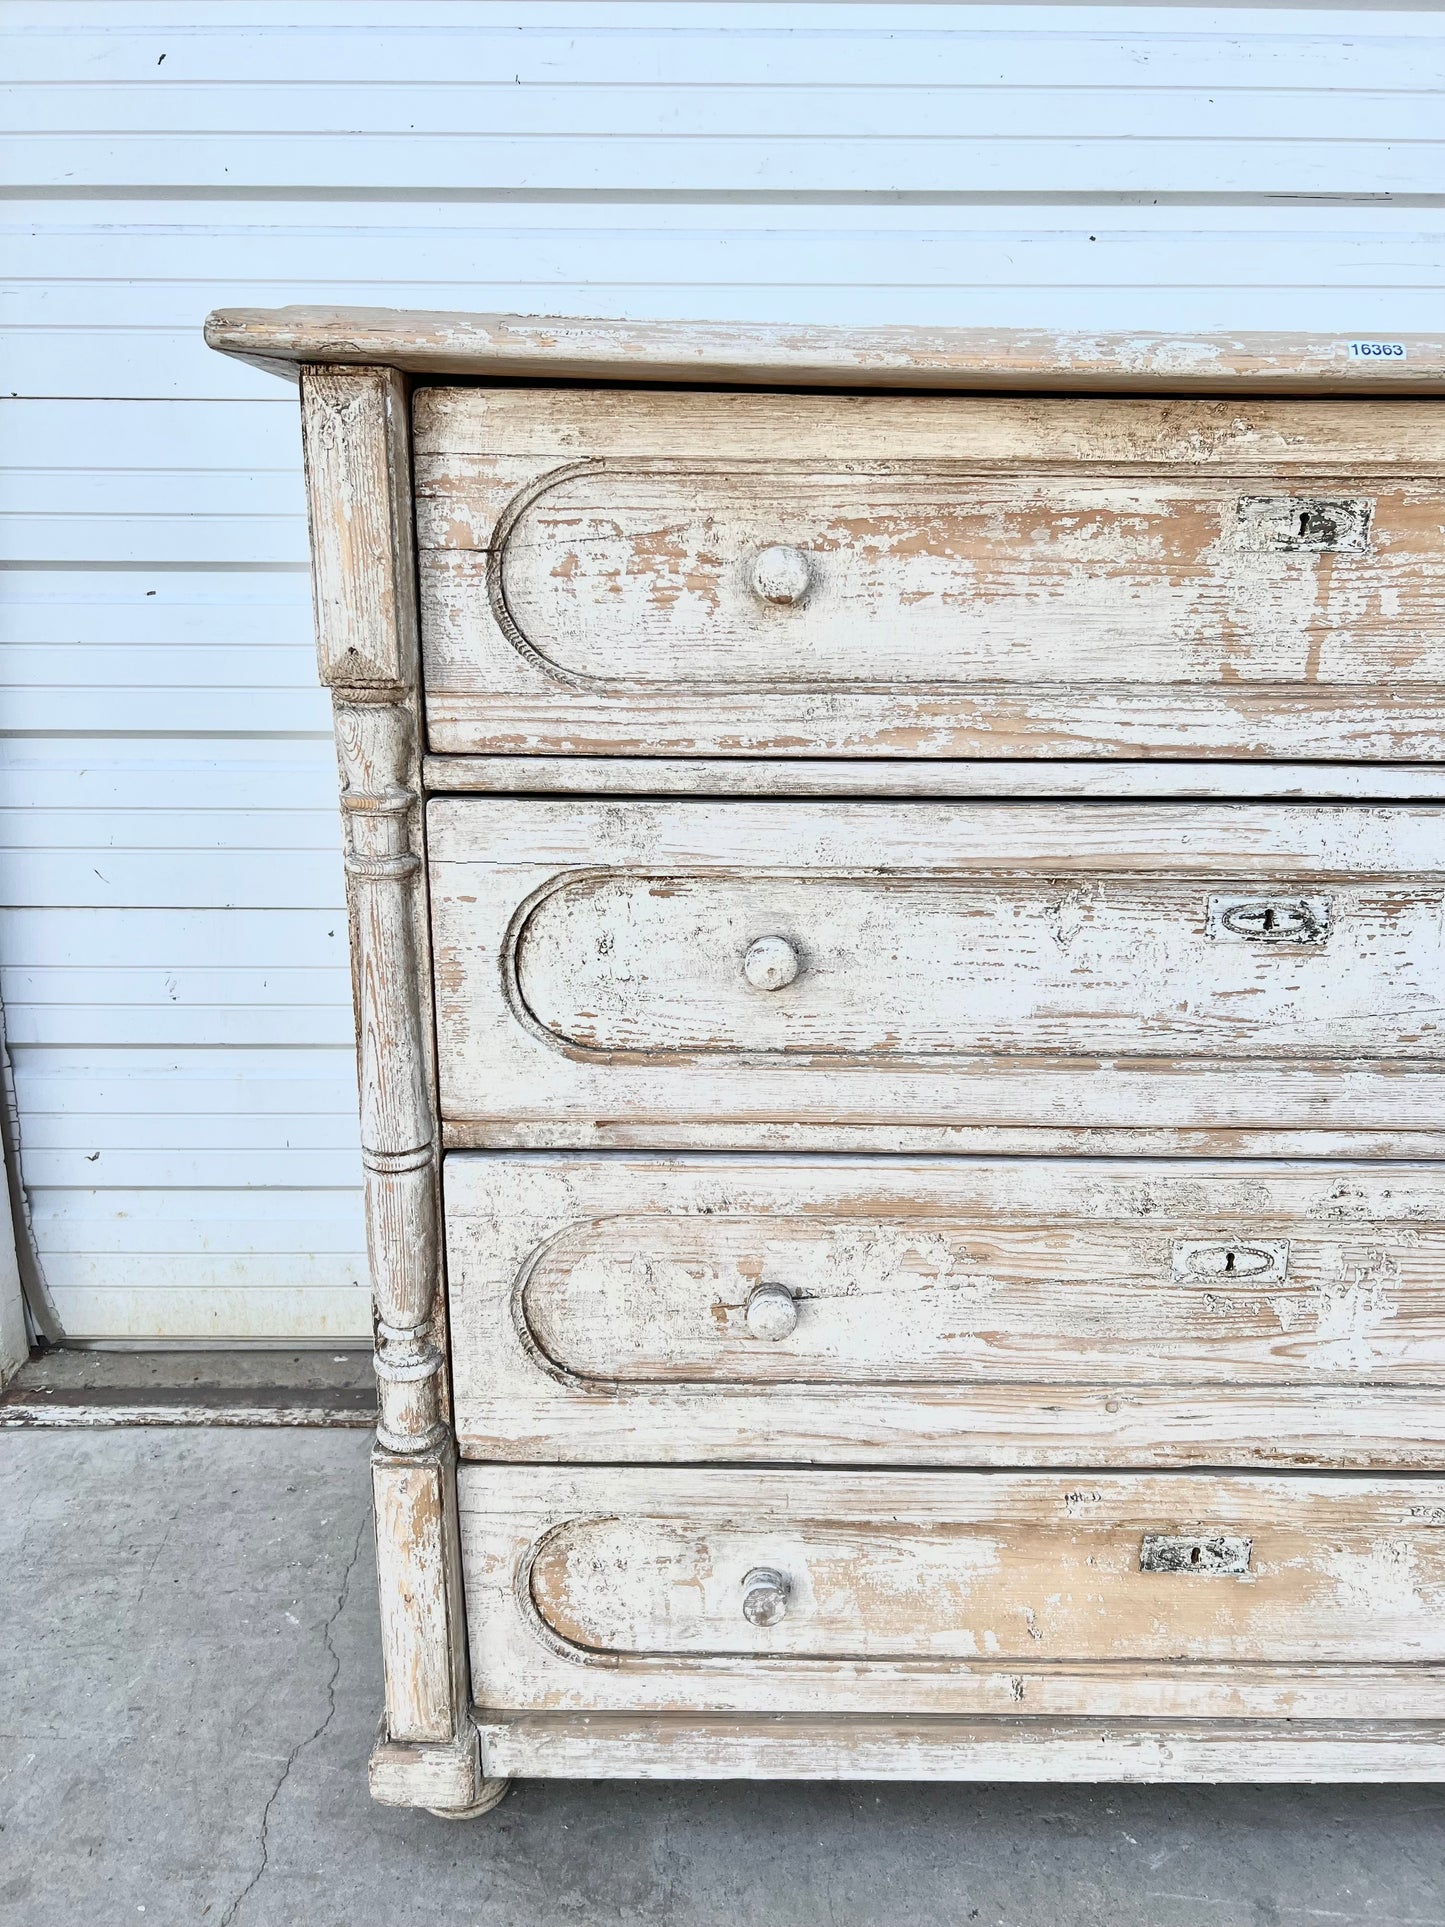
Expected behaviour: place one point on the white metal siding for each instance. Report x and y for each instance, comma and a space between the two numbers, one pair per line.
174, 968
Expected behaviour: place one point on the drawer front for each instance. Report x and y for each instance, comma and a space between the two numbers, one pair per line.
1220, 1595
935, 1311
959, 976
897, 576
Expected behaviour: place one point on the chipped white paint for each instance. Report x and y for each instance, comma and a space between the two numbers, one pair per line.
552, 347
939, 778
355, 425
947, 1311
992, 1749
619, 1589
1353, 1317
1385, 1581
967, 577
591, 988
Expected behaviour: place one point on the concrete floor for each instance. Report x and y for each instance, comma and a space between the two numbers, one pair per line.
191, 1689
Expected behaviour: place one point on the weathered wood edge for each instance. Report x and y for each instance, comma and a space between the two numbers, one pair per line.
786, 1747
1002, 779
461, 346
356, 443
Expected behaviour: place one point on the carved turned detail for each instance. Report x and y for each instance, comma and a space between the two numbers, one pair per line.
377, 753
358, 472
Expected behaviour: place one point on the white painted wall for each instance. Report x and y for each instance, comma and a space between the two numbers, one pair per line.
174, 971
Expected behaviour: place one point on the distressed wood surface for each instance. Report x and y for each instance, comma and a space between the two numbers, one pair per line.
355, 431
839, 582
981, 578
571, 348
620, 1589
949, 1311
974, 976
1000, 779
776, 1747
356, 439
908, 967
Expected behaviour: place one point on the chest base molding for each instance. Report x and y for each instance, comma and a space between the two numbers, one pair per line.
1198, 1752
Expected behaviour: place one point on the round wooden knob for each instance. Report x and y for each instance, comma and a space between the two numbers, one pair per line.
765, 1596
772, 1312
782, 575
771, 963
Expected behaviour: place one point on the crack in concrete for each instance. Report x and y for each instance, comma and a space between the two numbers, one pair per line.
228, 1918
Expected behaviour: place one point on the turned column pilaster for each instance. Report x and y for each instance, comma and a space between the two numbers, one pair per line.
355, 425
376, 750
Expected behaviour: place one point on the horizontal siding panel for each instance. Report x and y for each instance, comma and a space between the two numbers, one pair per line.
1252, 163
1169, 248
180, 1026
746, 120
186, 1083
79, 498
199, 1080
121, 535
172, 941
121, 987
182, 879
138, 773
243, 610
214, 1309
237, 832
120, 666
120, 1133
138, 483
189, 712
226, 440
718, 47
200, 1224
177, 1167
172, 1010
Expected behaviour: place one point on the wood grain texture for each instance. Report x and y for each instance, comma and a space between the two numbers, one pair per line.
423, 1634
445, 1778
975, 977
999, 779
573, 349
950, 1311
647, 966
1140, 1752
355, 435
619, 1589
985, 578
355, 424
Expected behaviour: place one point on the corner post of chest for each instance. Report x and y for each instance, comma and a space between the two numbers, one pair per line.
356, 436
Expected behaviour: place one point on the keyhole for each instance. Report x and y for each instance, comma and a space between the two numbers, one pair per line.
1194, 1555
1229, 1261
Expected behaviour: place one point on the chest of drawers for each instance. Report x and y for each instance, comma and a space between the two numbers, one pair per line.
899, 952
